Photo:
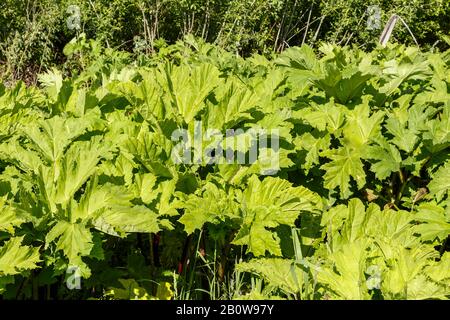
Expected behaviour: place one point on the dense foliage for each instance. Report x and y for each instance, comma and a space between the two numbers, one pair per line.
359, 207
33, 32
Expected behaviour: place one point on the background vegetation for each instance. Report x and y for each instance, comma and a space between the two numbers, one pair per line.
33, 32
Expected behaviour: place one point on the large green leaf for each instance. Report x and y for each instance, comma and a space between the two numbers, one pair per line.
189, 86
268, 204
74, 239
345, 164
435, 222
440, 184
16, 258
345, 277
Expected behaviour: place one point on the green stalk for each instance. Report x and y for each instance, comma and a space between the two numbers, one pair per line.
194, 264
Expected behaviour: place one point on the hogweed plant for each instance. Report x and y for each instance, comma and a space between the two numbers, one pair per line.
346, 197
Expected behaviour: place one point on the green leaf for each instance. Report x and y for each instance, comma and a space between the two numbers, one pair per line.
235, 101
404, 138
257, 237
10, 217
345, 277
74, 239
277, 273
59, 182
329, 116
147, 183
387, 156
345, 163
268, 204
404, 279
396, 74
360, 127
189, 86
437, 136
15, 258
130, 291
314, 144
440, 271
52, 136
128, 219
440, 184
435, 222
214, 206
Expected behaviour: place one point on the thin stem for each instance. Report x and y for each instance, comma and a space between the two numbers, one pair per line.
307, 27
